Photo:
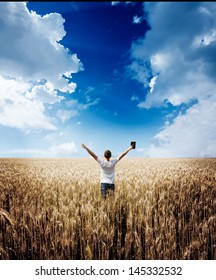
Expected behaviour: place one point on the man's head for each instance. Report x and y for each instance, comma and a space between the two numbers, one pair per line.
107, 154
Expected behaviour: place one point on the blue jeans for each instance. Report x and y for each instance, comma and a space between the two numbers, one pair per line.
105, 187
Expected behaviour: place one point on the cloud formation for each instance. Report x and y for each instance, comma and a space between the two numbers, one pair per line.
18, 110
56, 150
35, 66
75, 108
63, 150
175, 61
137, 20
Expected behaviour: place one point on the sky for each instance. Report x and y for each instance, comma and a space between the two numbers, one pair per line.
105, 74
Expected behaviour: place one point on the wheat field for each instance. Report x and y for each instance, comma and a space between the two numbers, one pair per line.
161, 209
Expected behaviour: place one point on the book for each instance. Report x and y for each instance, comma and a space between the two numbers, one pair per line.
133, 144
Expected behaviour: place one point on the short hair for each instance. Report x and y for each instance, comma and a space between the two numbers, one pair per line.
107, 154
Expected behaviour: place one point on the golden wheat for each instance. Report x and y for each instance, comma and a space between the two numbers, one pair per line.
162, 209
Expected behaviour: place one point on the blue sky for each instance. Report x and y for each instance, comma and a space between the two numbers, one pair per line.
106, 73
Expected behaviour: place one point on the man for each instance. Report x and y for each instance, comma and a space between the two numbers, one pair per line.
107, 169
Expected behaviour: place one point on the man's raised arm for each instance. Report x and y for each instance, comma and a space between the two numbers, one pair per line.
123, 154
90, 152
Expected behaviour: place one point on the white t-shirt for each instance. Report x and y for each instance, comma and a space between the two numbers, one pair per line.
107, 170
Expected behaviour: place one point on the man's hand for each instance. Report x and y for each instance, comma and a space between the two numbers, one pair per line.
83, 146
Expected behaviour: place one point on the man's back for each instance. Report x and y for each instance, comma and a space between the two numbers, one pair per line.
107, 170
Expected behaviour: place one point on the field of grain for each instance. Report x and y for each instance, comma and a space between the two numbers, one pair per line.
162, 209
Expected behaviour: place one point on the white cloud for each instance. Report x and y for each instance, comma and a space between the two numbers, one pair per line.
134, 98
35, 52
65, 115
75, 108
60, 150
205, 39
179, 50
18, 110
81, 106
63, 150
32, 56
137, 20
51, 136
44, 93
25, 152
168, 48
191, 135
152, 83
114, 3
